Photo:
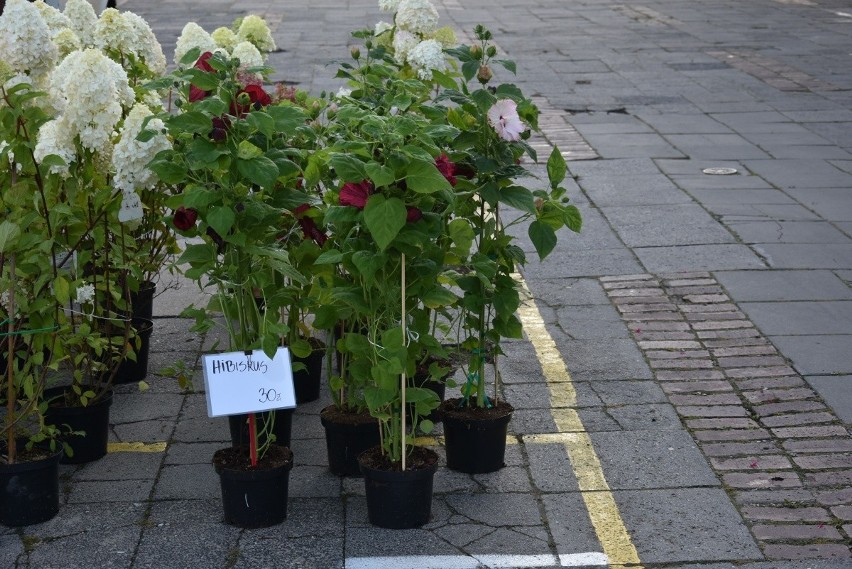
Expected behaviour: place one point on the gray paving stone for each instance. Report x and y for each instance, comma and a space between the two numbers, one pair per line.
164, 544
697, 258
614, 393
667, 459
591, 263
11, 549
788, 232
89, 491
830, 203
783, 285
817, 355
378, 542
800, 317
118, 466
188, 482
647, 416
311, 552
313, 482
587, 360
191, 453
813, 173
836, 390
110, 549
650, 226
144, 431
568, 292
684, 524
145, 407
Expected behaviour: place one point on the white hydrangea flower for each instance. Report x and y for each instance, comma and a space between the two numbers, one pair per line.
403, 42
446, 36
26, 44
427, 56
56, 21
85, 293
83, 20
225, 38
153, 100
53, 139
91, 89
383, 33
417, 16
254, 29
191, 37
248, 54
343, 92
388, 5
66, 42
130, 157
113, 32
147, 47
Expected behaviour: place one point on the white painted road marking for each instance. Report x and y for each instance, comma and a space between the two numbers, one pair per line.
477, 561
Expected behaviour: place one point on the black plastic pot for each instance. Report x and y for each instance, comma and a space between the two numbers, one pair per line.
307, 381
474, 445
29, 491
142, 301
130, 371
398, 499
254, 498
92, 420
347, 435
238, 424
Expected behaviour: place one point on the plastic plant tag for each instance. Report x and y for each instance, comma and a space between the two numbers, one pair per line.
131, 207
248, 382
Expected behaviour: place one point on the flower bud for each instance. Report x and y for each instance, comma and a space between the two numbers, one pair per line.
484, 75
491, 51
244, 98
355, 52
476, 52
539, 203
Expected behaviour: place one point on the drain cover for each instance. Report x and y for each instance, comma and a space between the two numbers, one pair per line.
720, 171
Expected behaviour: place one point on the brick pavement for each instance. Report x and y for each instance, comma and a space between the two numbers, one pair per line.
778, 449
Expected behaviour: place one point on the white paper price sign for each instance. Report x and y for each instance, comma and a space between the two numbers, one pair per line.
241, 382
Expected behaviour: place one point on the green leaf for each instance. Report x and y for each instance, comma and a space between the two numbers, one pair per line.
556, 168
348, 168
368, 263
380, 175
518, 197
384, 218
9, 233
573, 219
425, 178
438, 297
469, 69
198, 253
300, 348
248, 151
191, 121
508, 65
261, 171
62, 290
543, 237
287, 118
199, 197
190, 57
168, 171
221, 219
462, 235
204, 80
261, 122
329, 257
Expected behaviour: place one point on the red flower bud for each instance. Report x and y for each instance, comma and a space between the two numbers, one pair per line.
257, 98
184, 219
414, 214
309, 226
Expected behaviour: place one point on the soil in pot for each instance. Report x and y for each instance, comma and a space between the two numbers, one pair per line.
281, 428
475, 438
254, 497
307, 381
347, 435
29, 489
399, 499
130, 371
91, 420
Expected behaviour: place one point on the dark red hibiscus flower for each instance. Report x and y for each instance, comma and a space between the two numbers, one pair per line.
447, 168
196, 94
185, 218
356, 194
220, 128
251, 97
414, 214
309, 227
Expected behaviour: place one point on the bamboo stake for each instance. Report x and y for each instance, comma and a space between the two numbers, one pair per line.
11, 444
402, 386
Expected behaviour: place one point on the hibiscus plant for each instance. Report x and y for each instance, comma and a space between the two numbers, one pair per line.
494, 125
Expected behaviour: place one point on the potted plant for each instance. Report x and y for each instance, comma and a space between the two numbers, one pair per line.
29, 314
230, 149
494, 123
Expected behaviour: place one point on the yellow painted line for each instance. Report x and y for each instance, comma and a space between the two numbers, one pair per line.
136, 447
600, 503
